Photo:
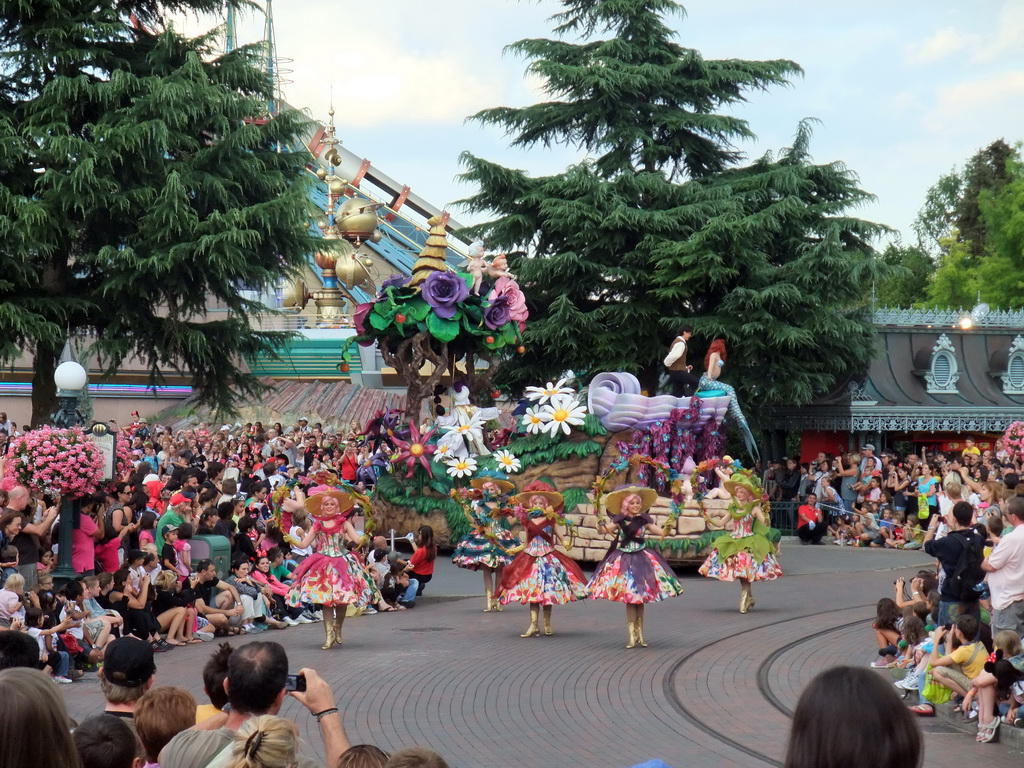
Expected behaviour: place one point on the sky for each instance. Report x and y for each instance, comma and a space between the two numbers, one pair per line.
904, 90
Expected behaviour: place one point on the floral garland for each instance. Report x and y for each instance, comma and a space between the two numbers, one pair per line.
1013, 440
464, 498
635, 460
324, 478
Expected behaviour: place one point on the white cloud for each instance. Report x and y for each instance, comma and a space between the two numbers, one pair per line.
991, 101
943, 43
1002, 37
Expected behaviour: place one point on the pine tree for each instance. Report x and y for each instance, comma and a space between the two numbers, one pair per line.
137, 191
661, 224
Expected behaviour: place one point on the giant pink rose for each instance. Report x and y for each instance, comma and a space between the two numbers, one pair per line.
509, 288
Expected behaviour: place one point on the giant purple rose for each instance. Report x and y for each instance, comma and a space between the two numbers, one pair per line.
498, 313
395, 281
509, 288
442, 291
359, 318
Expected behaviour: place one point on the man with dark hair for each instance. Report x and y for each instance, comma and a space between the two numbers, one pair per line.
106, 742
18, 649
214, 674
684, 383
963, 542
220, 610
127, 673
1005, 567
255, 685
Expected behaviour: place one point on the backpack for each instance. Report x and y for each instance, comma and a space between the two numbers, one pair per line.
968, 572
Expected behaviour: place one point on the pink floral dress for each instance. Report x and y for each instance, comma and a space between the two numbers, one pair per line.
744, 552
332, 576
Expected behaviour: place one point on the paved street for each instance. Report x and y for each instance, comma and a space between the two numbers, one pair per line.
715, 688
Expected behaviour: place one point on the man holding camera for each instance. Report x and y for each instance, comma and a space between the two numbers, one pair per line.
256, 685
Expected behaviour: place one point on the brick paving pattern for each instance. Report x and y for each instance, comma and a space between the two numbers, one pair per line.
715, 688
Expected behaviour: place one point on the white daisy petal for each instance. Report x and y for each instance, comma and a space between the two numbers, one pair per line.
461, 467
506, 461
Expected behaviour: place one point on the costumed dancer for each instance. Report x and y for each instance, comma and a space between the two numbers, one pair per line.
679, 373
631, 573
540, 575
331, 577
487, 546
743, 551
714, 361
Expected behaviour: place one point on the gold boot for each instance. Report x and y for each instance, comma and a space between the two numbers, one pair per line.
489, 601
746, 599
339, 618
547, 620
631, 624
640, 631
329, 632
496, 605
534, 616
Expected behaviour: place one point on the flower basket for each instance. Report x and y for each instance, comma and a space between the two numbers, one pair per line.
57, 462
1013, 440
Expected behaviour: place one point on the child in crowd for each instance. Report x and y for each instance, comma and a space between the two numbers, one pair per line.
52, 661
916, 645
964, 662
161, 714
887, 623
46, 562
168, 555
183, 552
12, 600
147, 532
842, 531
1006, 644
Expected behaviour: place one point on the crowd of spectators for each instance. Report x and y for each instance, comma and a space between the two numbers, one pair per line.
885, 500
955, 631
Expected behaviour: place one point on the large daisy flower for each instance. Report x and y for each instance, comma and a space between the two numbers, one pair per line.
563, 411
546, 393
535, 420
462, 467
506, 461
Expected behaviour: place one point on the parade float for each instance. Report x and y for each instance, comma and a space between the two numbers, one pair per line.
442, 327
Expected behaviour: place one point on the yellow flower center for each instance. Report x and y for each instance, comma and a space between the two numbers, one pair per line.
560, 415
536, 419
416, 449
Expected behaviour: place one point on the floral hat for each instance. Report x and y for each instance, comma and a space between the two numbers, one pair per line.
744, 479
613, 501
492, 476
315, 500
539, 488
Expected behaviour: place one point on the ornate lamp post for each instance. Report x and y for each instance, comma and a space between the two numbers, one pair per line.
70, 378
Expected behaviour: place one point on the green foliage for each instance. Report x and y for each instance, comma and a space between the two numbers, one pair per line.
534, 450
699, 545
396, 491
136, 194
662, 224
573, 497
1001, 275
955, 282
907, 283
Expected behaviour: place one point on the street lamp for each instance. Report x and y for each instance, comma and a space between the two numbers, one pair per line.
70, 377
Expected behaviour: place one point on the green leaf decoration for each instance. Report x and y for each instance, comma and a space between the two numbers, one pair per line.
379, 322
416, 310
574, 497
441, 329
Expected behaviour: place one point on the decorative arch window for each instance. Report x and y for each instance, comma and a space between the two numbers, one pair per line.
1013, 379
944, 373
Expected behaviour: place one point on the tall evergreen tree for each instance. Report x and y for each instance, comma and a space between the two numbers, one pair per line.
137, 191
661, 224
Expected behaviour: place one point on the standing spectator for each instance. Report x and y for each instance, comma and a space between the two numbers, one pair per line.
810, 526
27, 540
255, 685
790, 484
1005, 567
958, 596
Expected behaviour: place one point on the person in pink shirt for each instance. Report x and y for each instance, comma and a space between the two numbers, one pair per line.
1005, 567
89, 531
279, 591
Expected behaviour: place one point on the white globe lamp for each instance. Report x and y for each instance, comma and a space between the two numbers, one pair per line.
70, 377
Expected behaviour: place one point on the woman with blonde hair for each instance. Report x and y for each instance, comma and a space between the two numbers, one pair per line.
265, 742
34, 725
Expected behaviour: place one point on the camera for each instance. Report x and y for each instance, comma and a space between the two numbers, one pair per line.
947, 627
295, 683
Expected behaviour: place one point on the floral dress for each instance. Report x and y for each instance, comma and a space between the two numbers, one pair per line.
744, 552
630, 572
488, 543
332, 575
541, 573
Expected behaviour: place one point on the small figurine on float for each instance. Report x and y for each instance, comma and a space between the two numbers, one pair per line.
714, 361
499, 267
540, 575
742, 551
724, 472
463, 427
332, 577
487, 547
631, 573
475, 265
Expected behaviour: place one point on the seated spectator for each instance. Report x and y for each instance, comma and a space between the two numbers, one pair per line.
264, 576
256, 598
74, 609
810, 525
127, 673
363, 756
255, 684
161, 714
52, 661
228, 605
887, 631
923, 583
12, 600
965, 661
885, 735
214, 674
103, 741
174, 609
34, 726
416, 757
137, 611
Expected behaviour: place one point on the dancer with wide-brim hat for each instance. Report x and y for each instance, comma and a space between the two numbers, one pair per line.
487, 546
331, 577
541, 576
742, 552
631, 572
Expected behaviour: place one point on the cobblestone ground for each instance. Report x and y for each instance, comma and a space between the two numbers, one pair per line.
715, 688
